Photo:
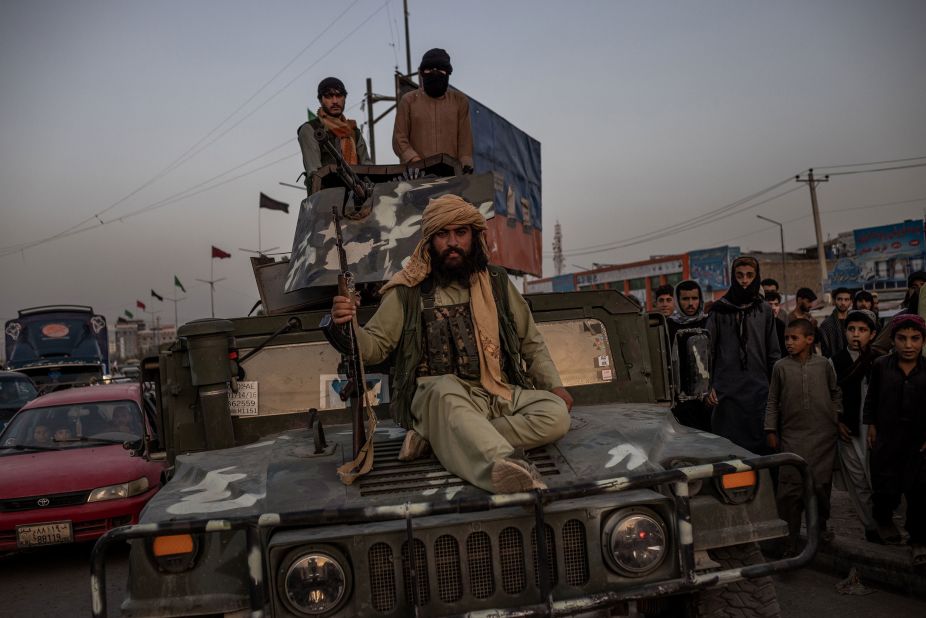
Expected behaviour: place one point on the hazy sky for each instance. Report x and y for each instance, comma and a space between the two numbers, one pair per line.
649, 113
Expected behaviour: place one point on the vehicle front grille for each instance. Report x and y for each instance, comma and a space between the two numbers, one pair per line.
12, 505
480, 565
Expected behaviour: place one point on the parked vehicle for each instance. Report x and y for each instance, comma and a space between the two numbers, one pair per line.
76, 463
58, 346
16, 390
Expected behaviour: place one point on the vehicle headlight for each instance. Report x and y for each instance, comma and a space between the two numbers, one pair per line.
315, 583
124, 490
634, 541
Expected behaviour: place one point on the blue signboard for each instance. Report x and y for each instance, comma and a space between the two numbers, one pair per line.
884, 256
711, 267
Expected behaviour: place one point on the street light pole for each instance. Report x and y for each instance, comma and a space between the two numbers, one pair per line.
784, 269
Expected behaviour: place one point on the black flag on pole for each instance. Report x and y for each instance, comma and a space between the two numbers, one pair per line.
158, 296
271, 204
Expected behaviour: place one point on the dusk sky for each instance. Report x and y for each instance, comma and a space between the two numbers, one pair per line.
649, 113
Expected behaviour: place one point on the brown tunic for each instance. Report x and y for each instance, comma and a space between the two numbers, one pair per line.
425, 126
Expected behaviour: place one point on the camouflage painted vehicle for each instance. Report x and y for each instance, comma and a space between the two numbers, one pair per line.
254, 521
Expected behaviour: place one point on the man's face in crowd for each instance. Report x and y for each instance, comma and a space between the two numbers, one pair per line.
858, 334
796, 341
909, 343
776, 307
452, 244
744, 275
843, 302
769, 288
688, 302
333, 103
804, 304
917, 284
665, 304
863, 303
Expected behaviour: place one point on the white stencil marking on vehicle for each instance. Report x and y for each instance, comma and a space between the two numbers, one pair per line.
212, 493
634, 456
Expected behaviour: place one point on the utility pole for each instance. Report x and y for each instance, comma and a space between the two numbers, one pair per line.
372, 98
211, 281
408, 46
821, 252
784, 267
558, 260
175, 300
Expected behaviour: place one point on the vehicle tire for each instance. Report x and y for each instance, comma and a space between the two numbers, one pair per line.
748, 598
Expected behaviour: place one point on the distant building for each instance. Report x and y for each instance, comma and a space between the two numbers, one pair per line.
135, 340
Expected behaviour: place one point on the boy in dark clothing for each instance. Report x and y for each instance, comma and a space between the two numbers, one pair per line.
803, 404
896, 419
853, 366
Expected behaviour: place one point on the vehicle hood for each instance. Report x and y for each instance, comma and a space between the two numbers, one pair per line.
281, 474
51, 472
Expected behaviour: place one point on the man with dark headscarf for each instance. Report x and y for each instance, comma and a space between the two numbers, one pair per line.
462, 337
434, 120
745, 343
692, 365
345, 134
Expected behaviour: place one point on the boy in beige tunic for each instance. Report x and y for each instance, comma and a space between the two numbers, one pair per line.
804, 404
460, 331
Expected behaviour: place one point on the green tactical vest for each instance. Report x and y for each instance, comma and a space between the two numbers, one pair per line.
411, 344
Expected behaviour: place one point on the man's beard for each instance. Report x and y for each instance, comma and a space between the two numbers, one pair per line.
460, 272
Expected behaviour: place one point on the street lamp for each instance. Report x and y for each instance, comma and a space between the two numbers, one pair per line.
784, 270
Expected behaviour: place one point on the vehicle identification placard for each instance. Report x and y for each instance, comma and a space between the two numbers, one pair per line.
244, 402
49, 533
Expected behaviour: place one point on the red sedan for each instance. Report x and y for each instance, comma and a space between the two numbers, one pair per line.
74, 464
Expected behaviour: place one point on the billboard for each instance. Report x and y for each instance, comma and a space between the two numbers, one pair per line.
885, 256
711, 267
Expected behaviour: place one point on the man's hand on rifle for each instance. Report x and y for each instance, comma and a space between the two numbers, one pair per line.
343, 310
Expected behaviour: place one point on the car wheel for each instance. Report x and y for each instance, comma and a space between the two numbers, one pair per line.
748, 598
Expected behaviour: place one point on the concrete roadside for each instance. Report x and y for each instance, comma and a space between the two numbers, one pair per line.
889, 566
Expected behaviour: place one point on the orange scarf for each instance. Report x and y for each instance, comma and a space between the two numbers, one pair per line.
453, 210
344, 129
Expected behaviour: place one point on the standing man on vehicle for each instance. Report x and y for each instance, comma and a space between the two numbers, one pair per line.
461, 334
833, 328
332, 95
433, 120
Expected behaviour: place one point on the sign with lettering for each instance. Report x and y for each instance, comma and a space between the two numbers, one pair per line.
244, 402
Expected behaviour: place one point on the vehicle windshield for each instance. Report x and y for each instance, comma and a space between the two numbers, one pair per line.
74, 426
16, 391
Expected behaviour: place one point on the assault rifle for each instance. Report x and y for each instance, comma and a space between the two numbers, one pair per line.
361, 189
355, 390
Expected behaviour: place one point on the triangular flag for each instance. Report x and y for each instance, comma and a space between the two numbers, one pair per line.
140, 305
178, 284
130, 315
218, 253
158, 296
271, 204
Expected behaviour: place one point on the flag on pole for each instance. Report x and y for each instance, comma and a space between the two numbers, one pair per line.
158, 296
271, 204
177, 284
140, 305
218, 253
130, 315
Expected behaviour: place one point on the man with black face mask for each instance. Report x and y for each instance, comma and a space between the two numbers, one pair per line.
434, 120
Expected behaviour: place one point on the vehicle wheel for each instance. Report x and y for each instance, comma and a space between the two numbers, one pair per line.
749, 598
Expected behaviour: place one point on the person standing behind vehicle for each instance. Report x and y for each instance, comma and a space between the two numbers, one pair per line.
665, 300
745, 345
833, 328
689, 315
347, 137
853, 366
896, 419
434, 120
804, 402
864, 300
803, 303
774, 301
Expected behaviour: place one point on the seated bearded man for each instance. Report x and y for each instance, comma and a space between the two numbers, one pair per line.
470, 362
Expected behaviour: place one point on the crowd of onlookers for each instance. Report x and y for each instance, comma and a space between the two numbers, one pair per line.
847, 394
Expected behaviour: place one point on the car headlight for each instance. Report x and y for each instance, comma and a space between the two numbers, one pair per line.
634, 541
124, 490
315, 583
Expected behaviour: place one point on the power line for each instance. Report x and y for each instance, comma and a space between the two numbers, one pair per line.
833, 167
880, 169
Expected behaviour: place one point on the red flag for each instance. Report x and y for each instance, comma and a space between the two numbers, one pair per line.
140, 305
218, 253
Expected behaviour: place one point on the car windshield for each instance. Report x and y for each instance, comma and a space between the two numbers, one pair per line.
74, 426
16, 391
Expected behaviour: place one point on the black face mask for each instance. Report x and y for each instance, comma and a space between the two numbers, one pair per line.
435, 84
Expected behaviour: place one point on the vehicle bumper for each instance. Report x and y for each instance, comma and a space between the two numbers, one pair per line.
89, 521
685, 578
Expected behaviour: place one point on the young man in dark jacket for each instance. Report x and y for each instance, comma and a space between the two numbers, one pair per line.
896, 419
853, 366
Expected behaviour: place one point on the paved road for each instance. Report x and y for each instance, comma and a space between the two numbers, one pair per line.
54, 583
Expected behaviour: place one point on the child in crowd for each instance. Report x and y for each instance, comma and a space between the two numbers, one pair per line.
853, 365
896, 419
804, 403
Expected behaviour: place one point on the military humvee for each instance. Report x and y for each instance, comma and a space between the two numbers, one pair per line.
642, 515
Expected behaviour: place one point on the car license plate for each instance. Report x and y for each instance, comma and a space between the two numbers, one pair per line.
44, 534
